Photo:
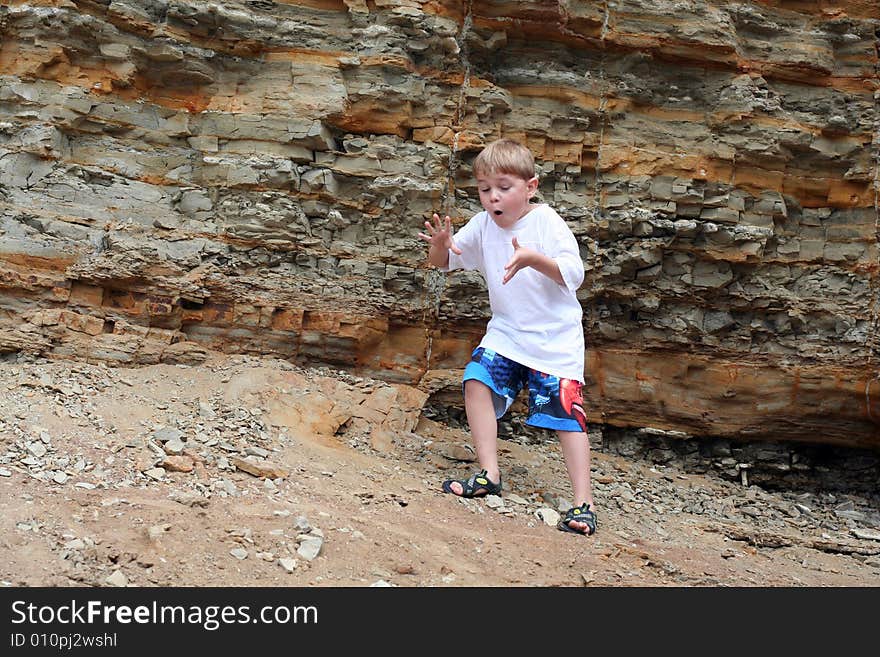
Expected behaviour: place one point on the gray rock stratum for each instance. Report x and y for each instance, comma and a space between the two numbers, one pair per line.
182, 175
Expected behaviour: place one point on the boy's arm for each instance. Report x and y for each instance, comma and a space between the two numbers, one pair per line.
439, 239
561, 263
438, 256
525, 257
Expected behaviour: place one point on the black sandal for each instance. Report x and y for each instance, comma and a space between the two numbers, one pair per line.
582, 514
478, 485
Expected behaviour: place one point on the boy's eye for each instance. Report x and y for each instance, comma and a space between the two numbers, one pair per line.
483, 191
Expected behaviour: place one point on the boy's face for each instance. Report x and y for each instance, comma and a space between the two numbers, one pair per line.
506, 196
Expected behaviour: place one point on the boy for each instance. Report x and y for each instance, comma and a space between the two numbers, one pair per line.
532, 267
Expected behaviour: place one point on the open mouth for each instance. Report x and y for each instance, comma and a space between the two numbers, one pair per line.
498, 213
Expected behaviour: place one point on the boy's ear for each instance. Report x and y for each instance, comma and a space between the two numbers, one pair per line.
532, 186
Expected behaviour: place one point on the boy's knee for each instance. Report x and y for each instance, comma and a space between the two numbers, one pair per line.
475, 387
573, 435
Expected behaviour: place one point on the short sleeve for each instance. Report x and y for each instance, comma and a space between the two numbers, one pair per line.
566, 253
468, 242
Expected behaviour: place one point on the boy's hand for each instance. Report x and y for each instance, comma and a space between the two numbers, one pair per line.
525, 257
522, 257
439, 235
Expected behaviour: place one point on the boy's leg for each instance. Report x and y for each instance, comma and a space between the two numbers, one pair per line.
557, 404
480, 410
491, 382
576, 452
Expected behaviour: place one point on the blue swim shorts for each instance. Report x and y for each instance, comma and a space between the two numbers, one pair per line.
554, 403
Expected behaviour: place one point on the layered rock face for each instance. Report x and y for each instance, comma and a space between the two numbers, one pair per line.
178, 175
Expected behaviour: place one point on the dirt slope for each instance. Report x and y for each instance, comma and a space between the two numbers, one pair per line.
82, 501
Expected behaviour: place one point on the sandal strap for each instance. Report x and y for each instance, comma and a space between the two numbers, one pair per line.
477, 485
583, 514
576, 511
480, 480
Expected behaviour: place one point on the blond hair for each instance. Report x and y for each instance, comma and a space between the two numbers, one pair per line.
505, 156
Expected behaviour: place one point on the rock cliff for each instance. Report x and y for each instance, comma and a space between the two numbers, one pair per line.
183, 175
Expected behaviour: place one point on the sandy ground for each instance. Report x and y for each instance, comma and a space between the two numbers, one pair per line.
83, 503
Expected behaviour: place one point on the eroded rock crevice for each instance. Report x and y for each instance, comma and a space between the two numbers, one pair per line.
180, 176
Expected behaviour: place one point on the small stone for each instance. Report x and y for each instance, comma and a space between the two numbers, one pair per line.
174, 446
380, 583
59, 477
117, 578
239, 553
562, 504
167, 223
166, 434
155, 473
37, 449
288, 564
548, 516
177, 464
75, 544
189, 499
227, 487
5, 473
866, 534
264, 469
494, 502
463, 453
310, 548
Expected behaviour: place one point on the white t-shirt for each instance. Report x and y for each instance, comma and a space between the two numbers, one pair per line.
535, 321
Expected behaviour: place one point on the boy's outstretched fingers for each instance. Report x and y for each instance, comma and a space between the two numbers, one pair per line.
431, 230
440, 234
